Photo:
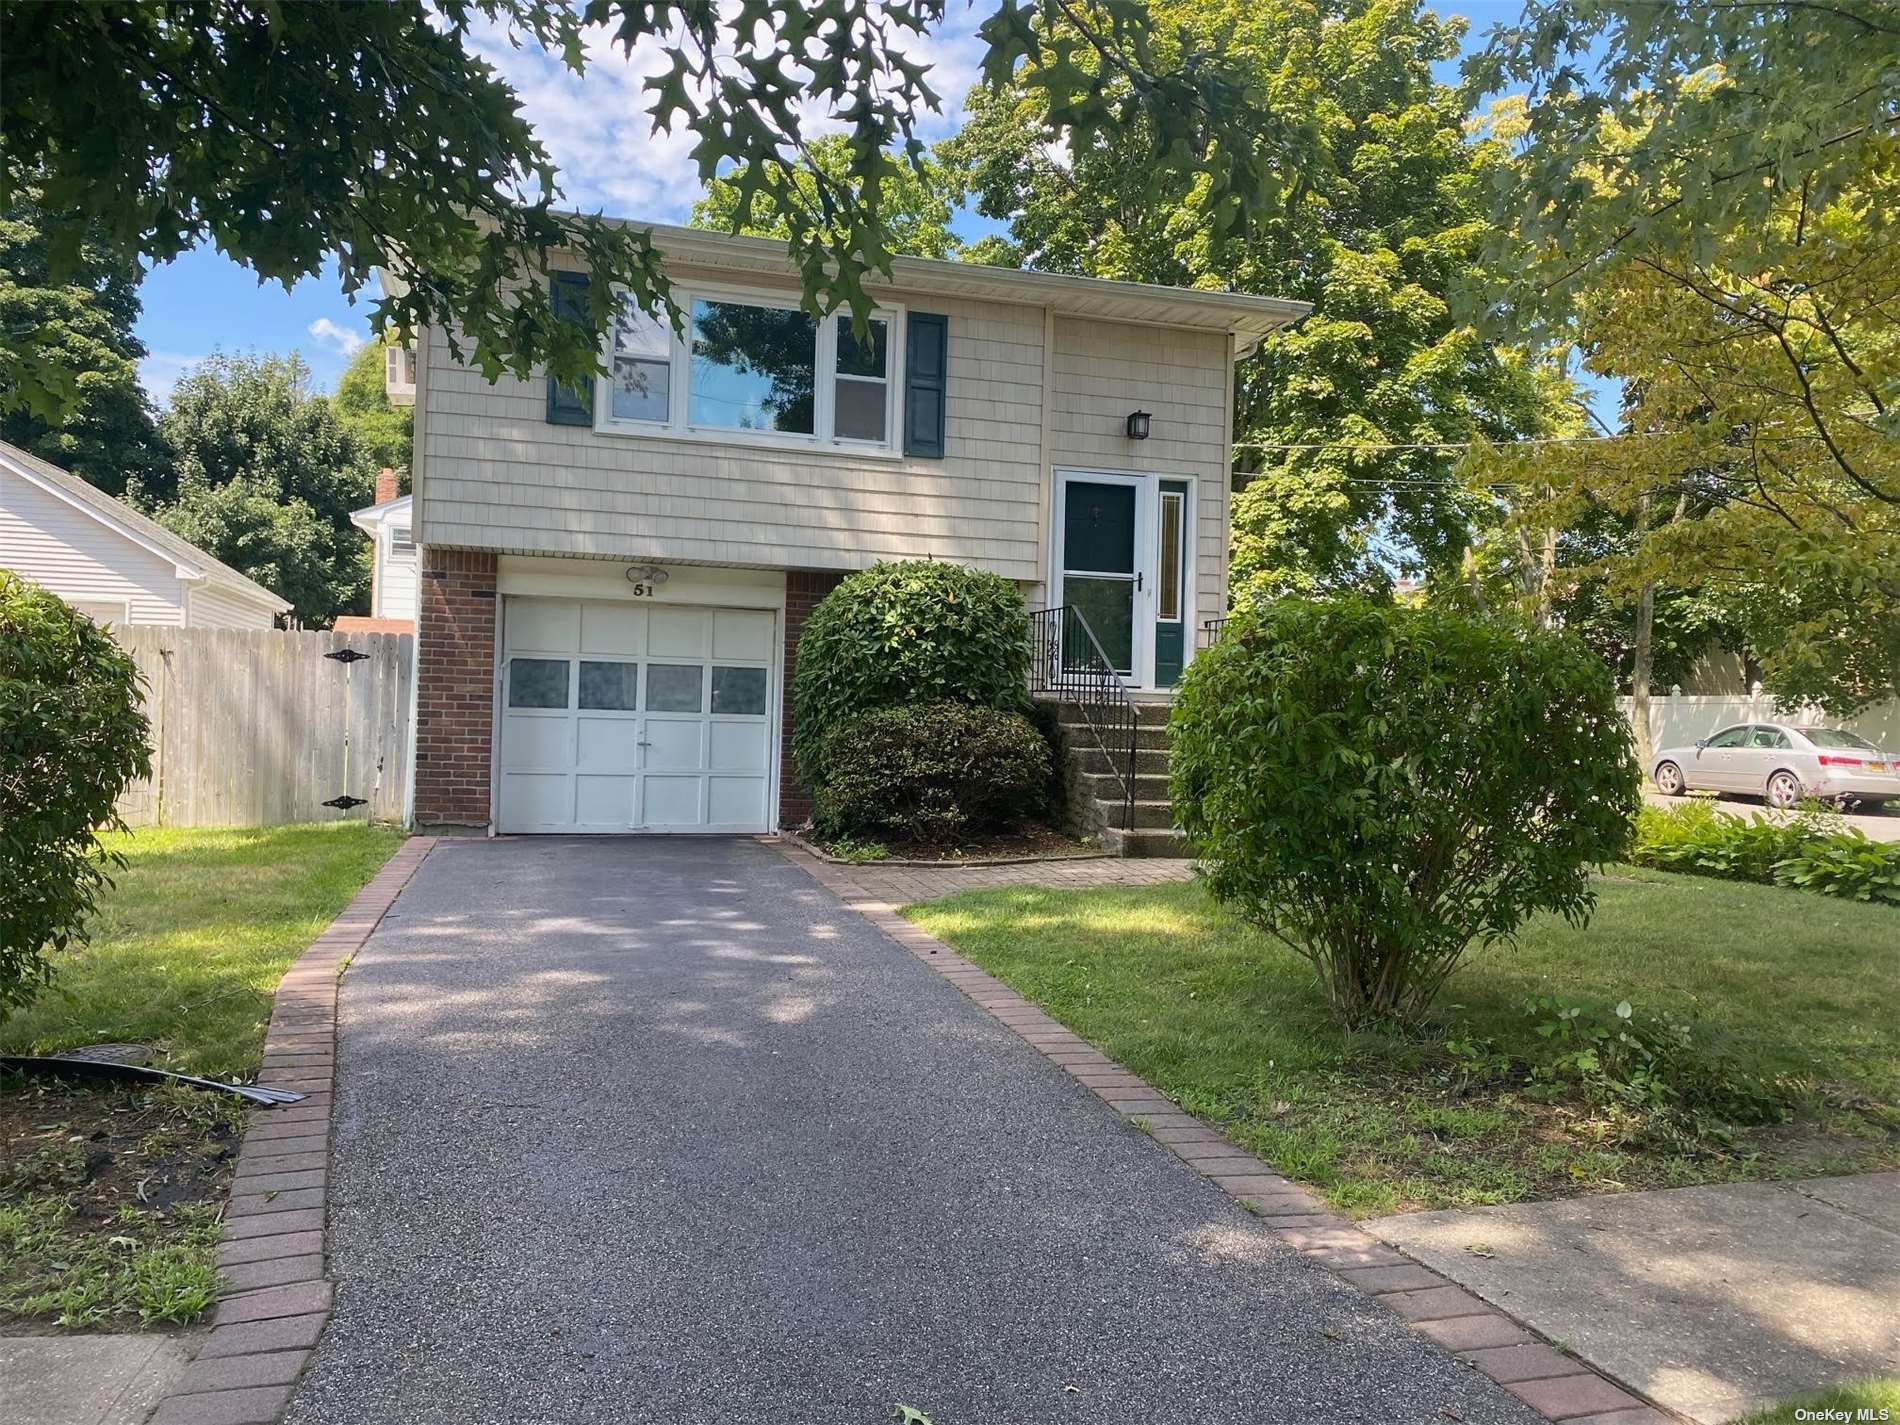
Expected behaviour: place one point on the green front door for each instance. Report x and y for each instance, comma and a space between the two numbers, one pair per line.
1098, 565
1171, 563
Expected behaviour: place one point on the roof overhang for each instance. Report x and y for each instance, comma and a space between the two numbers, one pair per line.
1245, 316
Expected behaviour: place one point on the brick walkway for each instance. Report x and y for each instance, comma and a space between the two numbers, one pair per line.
906, 885
276, 1293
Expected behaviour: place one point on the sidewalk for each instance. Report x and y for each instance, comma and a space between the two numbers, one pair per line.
1712, 1301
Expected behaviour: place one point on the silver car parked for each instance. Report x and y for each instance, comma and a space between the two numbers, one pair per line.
1782, 763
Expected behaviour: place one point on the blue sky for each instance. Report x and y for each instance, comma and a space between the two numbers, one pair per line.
204, 302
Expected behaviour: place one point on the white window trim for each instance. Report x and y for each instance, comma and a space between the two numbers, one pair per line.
677, 427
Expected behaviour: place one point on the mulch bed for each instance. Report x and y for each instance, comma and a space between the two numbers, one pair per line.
1030, 841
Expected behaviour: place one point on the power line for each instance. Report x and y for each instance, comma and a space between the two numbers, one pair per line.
1442, 444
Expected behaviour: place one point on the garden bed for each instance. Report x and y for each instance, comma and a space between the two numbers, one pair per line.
1783, 989
111, 1197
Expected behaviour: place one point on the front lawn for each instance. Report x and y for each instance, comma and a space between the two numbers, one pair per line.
1789, 988
188, 947
110, 1196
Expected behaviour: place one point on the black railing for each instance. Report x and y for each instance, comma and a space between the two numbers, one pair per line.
1070, 665
1210, 630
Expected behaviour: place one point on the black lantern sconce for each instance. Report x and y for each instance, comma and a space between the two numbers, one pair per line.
1138, 424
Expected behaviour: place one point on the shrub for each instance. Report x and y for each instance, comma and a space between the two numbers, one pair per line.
1811, 851
913, 632
1378, 787
931, 773
71, 737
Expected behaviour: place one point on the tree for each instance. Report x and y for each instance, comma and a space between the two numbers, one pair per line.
1367, 202
374, 136
1379, 787
81, 326
384, 433
917, 201
72, 737
266, 479
1712, 220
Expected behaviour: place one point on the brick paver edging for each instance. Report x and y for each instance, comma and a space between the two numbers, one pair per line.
1557, 1386
276, 1297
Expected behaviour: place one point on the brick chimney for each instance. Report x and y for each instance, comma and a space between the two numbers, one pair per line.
386, 486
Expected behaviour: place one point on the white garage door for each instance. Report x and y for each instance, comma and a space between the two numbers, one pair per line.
635, 717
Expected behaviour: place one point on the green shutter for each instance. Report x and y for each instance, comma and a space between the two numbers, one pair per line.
568, 405
926, 366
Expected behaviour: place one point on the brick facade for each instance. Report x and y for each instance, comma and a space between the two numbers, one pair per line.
803, 589
455, 686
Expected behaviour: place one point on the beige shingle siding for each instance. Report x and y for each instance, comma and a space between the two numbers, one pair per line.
496, 475
1104, 371
499, 476
66, 550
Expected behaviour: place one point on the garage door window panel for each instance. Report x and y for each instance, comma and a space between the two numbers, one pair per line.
738, 692
537, 682
676, 687
609, 687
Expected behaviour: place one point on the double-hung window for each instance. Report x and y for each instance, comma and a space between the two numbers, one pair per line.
756, 369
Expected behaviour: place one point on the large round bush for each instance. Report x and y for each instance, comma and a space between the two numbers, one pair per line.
71, 737
912, 632
1379, 787
931, 772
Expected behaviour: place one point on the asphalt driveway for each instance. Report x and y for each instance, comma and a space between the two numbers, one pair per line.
656, 1130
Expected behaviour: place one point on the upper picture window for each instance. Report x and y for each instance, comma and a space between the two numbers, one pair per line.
754, 366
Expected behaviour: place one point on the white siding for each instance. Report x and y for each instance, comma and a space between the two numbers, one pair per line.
395, 580
49, 541
214, 606
1106, 370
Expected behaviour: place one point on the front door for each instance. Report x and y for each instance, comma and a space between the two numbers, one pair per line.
1171, 581
1100, 567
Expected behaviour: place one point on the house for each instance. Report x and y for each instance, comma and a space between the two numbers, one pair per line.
614, 579
392, 597
112, 563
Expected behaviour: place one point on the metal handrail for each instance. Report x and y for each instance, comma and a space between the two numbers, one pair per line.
1069, 663
1210, 630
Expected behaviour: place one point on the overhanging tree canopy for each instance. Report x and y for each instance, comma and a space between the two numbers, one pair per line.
372, 135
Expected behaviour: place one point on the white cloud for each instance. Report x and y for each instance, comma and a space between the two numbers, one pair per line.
339, 338
159, 372
598, 131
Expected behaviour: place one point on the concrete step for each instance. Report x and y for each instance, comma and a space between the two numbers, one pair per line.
1148, 713
1144, 843
1105, 787
1149, 815
1091, 761
1154, 739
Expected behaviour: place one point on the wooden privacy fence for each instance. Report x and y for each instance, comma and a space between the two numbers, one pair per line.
257, 727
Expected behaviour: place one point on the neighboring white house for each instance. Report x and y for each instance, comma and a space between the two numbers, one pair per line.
392, 600
112, 563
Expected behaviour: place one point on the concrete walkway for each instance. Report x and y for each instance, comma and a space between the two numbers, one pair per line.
88, 1380
906, 885
1713, 1301
655, 1130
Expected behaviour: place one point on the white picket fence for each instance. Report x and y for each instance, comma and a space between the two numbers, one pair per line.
1674, 721
260, 727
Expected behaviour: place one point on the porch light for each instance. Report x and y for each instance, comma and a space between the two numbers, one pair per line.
1138, 423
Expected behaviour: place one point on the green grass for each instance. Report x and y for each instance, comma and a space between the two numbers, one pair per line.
191, 941
1791, 988
110, 1196
1880, 1399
